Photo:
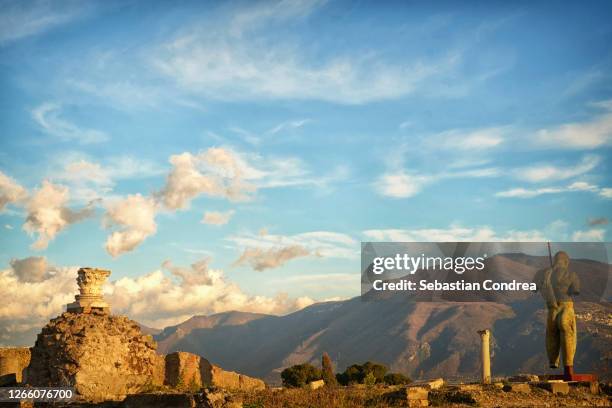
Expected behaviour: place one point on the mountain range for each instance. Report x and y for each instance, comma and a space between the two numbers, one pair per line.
420, 339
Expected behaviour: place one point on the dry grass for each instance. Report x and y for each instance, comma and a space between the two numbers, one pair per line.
341, 397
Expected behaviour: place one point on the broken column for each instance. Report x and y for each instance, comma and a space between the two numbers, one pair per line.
90, 281
485, 355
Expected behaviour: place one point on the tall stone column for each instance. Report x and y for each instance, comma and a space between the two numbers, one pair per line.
90, 281
485, 355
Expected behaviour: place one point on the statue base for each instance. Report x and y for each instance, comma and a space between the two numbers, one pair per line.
574, 377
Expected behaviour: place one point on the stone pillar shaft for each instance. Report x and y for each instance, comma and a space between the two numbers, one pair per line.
485, 356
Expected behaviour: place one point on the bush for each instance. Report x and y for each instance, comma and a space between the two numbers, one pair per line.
300, 375
356, 374
396, 379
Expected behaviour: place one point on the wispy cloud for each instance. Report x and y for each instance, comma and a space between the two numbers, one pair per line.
453, 234
217, 217
261, 259
589, 134
265, 250
288, 125
224, 63
545, 172
48, 118
579, 186
20, 19
469, 140
556, 230
403, 184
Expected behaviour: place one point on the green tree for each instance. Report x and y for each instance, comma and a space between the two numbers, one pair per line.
300, 375
356, 373
396, 379
327, 371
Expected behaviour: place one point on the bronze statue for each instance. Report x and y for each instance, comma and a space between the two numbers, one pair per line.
557, 285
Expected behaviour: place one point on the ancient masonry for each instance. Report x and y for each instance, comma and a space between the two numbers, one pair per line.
107, 357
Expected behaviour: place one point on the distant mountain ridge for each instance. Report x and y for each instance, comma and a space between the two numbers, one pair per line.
421, 339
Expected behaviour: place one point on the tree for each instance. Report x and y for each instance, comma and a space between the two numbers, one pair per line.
300, 375
327, 371
396, 379
356, 373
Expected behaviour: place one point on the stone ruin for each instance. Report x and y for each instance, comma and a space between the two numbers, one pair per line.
90, 283
106, 357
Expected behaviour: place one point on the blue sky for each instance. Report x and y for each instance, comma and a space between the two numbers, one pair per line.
305, 126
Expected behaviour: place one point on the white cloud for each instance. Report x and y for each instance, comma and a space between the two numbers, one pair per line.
10, 191
261, 259
135, 218
590, 134
469, 140
27, 306
401, 184
540, 173
21, 19
577, 186
232, 70
259, 14
154, 299
47, 213
218, 172
47, 117
592, 235
555, 231
221, 61
217, 217
94, 180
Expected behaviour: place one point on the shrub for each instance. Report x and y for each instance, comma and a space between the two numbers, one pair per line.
327, 371
396, 379
369, 379
300, 375
356, 374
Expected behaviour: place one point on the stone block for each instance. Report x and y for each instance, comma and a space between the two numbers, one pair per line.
417, 393
556, 387
518, 387
183, 371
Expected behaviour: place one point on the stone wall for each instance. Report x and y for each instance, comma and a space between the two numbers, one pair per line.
189, 371
14, 360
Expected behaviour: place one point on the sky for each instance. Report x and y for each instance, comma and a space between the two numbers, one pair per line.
233, 155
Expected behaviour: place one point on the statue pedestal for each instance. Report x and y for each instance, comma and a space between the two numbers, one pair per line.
574, 377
